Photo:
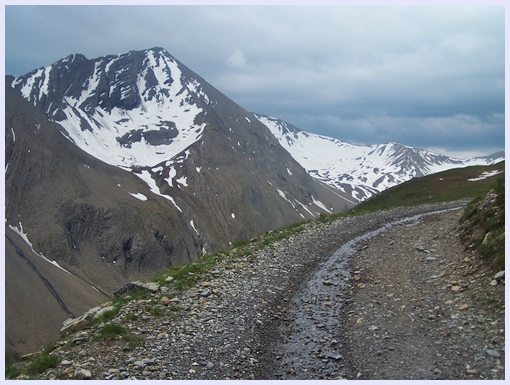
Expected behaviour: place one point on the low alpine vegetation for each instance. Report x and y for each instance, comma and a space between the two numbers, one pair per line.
111, 331
43, 362
483, 225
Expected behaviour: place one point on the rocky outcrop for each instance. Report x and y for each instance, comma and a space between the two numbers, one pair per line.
136, 286
76, 324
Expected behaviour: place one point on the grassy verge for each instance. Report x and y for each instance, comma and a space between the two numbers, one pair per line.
114, 331
187, 275
43, 362
11, 369
14, 365
111, 331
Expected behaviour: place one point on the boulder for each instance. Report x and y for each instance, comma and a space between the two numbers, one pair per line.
79, 323
135, 286
499, 275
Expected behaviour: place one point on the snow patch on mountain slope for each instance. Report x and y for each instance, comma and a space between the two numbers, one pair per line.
139, 196
485, 175
147, 178
182, 181
24, 236
321, 205
193, 227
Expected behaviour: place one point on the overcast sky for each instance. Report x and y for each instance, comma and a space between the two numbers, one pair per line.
426, 76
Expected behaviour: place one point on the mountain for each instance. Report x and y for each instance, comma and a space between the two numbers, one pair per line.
120, 166
362, 171
74, 231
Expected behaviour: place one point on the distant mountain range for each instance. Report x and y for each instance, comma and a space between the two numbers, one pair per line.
362, 171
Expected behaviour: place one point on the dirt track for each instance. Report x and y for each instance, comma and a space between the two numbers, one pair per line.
413, 304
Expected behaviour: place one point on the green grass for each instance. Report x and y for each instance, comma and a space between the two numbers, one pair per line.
111, 331
136, 295
173, 308
114, 331
130, 317
11, 369
41, 363
106, 316
445, 186
155, 310
14, 364
118, 304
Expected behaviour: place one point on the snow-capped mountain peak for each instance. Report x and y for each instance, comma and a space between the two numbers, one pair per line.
135, 109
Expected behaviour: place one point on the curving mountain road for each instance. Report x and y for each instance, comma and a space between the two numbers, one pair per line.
404, 301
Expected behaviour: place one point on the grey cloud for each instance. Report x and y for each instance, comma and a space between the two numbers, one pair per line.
380, 71
455, 132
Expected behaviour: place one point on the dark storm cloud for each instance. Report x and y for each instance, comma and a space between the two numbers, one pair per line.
431, 76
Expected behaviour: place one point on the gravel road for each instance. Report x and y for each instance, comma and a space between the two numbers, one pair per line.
409, 302
299, 309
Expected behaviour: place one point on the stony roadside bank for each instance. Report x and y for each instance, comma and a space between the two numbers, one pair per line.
223, 328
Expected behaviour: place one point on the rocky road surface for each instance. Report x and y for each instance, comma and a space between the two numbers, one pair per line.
424, 307
302, 309
408, 302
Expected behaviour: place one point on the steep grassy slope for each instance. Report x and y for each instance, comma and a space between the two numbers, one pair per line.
467, 182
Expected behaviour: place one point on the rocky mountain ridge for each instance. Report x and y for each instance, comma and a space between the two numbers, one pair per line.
145, 111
